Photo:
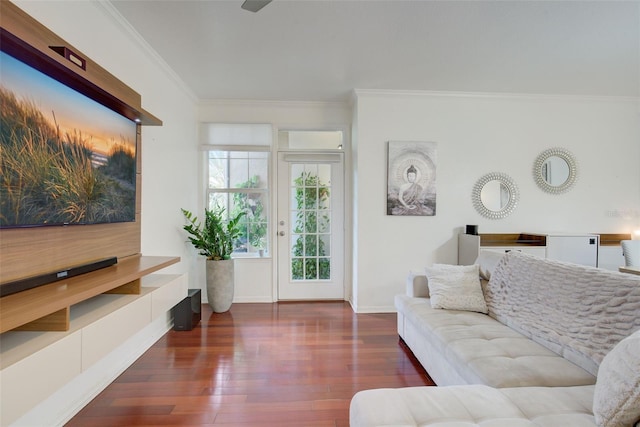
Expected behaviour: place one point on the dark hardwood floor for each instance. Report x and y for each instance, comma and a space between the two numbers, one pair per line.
284, 364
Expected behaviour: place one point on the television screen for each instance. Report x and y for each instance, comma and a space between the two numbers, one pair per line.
64, 158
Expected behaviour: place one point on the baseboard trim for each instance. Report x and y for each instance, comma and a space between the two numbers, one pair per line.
374, 309
247, 300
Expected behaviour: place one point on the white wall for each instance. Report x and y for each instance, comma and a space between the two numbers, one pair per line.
255, 277
171, 160
475, 135
478, 134
169, 152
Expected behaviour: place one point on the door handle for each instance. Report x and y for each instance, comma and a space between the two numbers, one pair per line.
282, 233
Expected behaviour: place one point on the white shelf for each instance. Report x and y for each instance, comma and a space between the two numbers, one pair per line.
34, 365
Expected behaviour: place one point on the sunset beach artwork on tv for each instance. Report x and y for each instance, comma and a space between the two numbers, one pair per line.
65, 158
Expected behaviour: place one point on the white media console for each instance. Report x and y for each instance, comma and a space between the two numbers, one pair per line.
46, 377
578, 248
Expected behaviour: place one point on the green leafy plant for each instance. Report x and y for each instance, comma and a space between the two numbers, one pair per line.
215, 238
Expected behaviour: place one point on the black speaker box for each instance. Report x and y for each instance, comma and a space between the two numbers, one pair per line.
186, 314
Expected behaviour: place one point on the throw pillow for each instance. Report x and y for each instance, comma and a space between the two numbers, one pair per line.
455, 287
616, 399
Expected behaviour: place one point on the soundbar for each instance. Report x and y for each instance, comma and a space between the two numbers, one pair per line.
20, 285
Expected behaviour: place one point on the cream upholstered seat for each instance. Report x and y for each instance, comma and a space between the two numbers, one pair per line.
631, 252
613, 401
480, 350
474, 406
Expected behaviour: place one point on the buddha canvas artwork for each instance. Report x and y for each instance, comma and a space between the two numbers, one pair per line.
411, 178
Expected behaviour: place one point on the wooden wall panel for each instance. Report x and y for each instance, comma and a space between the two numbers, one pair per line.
20, 24
28, 252
32, 251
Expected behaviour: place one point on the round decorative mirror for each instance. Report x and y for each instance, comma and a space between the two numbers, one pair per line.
495, 195
555, 170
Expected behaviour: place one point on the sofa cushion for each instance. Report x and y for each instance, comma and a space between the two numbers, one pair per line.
616, 401
455, 287
473, 406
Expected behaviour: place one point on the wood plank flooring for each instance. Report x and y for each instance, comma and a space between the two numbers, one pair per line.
283, 364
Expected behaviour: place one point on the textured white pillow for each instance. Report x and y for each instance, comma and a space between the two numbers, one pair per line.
455, 287
616, 399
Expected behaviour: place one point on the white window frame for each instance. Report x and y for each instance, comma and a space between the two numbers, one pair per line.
266, 192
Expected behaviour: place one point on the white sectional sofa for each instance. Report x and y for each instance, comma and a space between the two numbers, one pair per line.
544, 344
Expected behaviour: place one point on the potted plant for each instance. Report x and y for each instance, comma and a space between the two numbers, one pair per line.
214, 239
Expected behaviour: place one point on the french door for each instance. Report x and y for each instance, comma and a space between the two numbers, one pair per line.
310, 226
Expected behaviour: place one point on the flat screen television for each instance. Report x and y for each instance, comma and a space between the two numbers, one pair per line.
68, 150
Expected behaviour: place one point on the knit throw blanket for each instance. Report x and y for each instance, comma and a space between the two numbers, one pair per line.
578, 312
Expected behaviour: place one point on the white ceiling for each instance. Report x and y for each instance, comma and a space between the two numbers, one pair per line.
321, 50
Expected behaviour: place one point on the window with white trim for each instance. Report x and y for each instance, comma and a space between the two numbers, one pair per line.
238, 174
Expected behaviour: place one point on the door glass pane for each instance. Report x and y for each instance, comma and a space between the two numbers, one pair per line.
324, 174
297, 225
311, 245
311, 170
310, 269
324, 202
310, 225
310, 194
324, 268
296, 172
297, 245
297, 269
324, 244
310, 198
324, 223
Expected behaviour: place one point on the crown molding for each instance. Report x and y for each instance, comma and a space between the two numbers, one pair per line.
362, 93
274, 104
109, 9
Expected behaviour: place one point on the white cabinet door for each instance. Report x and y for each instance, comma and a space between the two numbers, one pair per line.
578, 249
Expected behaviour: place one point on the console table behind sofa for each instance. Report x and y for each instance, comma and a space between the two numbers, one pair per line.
596, 250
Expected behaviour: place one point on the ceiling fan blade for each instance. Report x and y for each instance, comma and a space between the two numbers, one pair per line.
255, 5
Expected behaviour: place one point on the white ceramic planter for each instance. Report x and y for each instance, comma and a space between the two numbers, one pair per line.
220, 284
